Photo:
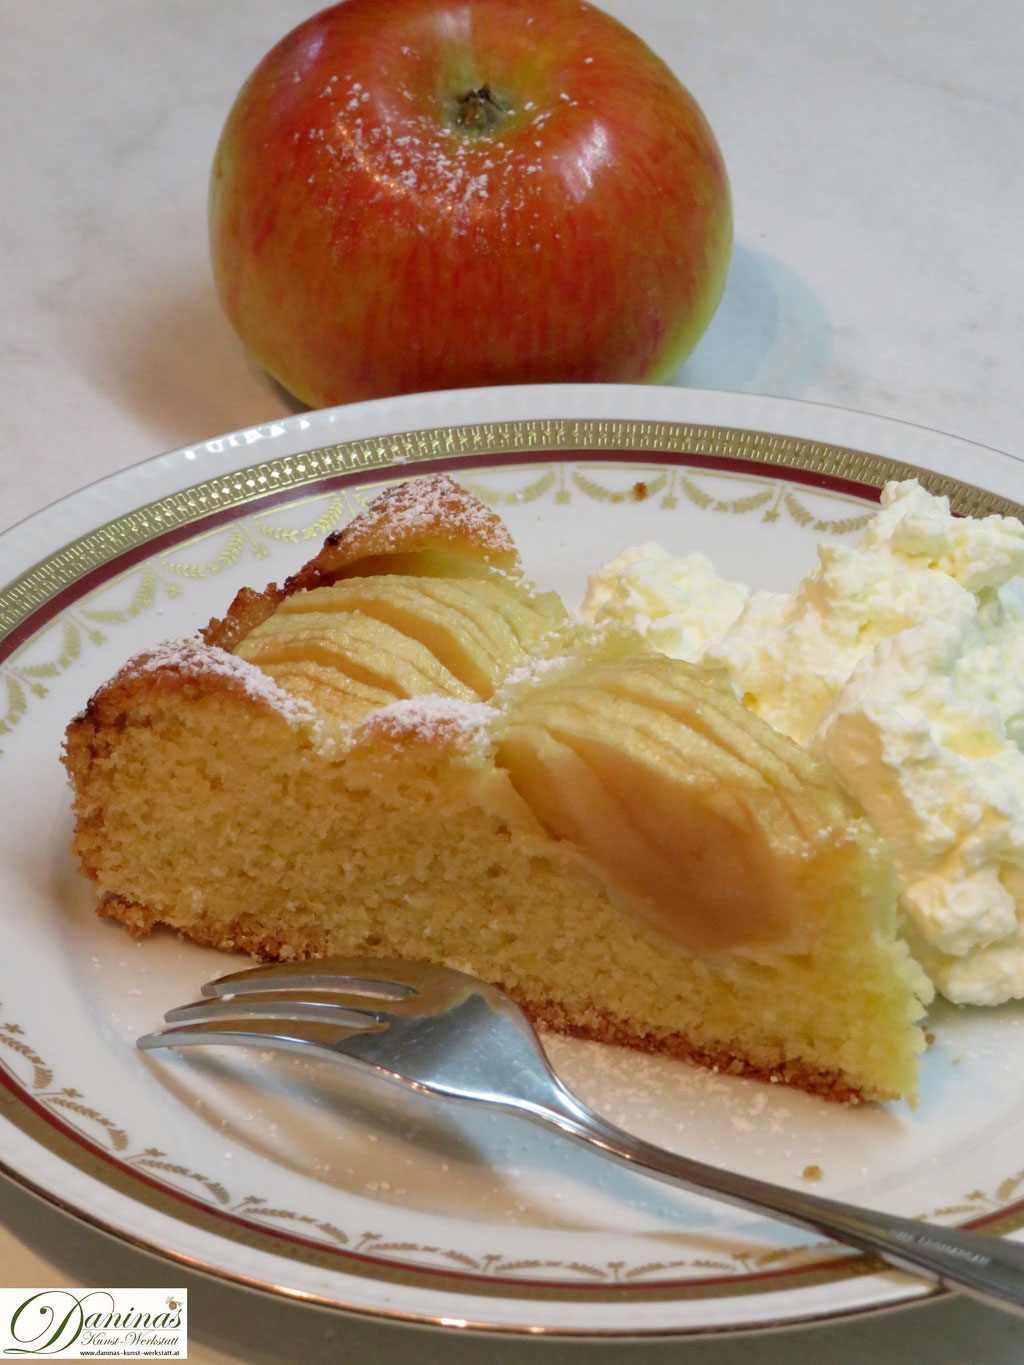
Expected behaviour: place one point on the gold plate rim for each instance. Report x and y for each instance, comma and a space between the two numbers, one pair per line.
224, 494
534, 440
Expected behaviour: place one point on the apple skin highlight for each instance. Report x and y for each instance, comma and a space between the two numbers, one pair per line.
422, 194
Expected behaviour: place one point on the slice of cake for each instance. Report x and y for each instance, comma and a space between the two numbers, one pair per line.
408, 751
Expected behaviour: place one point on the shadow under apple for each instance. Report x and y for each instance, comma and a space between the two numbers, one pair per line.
770, 335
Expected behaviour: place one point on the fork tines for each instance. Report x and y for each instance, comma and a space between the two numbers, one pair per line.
283, 1005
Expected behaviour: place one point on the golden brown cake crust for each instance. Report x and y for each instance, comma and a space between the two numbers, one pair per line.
186, 669
828, 1085
426, 516
599, 1027
423, 516
248, 610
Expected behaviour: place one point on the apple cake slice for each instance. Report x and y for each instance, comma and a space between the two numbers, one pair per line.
406, 750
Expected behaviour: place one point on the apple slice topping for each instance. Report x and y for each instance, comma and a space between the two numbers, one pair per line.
478, 628
429, 526
371, 651
345, 699
703, 875
697, 817
399, 637
688, 695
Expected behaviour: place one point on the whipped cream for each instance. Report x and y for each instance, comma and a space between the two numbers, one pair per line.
679, 605
901, 661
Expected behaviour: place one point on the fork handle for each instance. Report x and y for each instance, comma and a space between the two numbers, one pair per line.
986, 1267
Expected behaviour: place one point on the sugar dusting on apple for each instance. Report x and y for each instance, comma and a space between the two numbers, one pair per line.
431, 194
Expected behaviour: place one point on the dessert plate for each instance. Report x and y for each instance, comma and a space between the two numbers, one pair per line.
291, 1178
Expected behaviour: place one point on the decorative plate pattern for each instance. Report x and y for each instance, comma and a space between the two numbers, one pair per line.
275, 1173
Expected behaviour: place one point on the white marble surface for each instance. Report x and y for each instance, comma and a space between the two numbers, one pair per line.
874, 152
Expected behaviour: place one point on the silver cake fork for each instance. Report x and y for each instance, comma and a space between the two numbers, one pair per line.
442, 1032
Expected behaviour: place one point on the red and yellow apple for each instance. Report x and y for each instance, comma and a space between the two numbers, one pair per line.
431, 194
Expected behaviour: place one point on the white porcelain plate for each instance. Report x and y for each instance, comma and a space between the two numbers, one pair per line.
284, 1175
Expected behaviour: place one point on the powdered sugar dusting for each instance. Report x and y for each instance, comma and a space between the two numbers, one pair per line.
195, 658
396, 148
441, 721
436, 502
539, 668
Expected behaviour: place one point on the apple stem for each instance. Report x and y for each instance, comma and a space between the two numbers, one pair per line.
479, 110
